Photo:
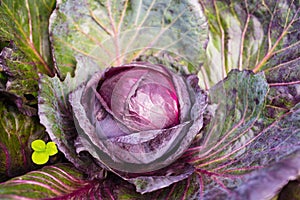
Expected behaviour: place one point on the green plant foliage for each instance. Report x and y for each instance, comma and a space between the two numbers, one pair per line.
42, 151
17, 131
249, 34
56, 115
249, 146
19, 79
26, 23
120, 31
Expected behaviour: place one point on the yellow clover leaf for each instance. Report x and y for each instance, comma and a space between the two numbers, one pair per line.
51, 148
42, 151
40, 158
38, 145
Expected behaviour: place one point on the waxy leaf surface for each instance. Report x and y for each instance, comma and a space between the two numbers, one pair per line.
241, 137
120, 31
255, 35
64, 181
19, 79
56, 115
17, 131
26, 23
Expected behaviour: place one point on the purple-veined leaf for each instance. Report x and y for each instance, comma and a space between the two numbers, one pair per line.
116, 32
56, 115
280, 139
48, 182
284, 82
236, 105
26, 23
63, 181
17, 131
249, 34
240, 138
266, 183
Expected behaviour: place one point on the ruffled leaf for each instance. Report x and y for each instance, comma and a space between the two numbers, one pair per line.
120, 31
56, 115
266, 183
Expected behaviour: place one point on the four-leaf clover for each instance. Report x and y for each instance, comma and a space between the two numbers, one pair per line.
42, 151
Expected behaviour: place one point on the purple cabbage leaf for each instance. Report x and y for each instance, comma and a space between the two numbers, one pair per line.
266, 183
56, 114
241, 137
59, 180
248, 147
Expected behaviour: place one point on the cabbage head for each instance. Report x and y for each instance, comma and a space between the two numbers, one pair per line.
137, 117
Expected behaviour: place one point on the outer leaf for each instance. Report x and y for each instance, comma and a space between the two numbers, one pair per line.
265, 184
20, 83
284, 82
51, 181
17, 131
26, 23
56, 115
236, 105
120, 31
63, 181
250, 35
240, 139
